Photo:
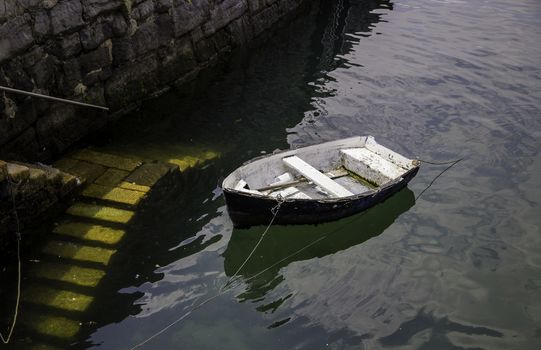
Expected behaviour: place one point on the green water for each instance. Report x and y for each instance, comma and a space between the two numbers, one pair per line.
459, 268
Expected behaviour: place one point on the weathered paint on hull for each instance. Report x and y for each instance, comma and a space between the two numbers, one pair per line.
248, 210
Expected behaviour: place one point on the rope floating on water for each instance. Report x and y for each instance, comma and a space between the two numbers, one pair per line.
6, 339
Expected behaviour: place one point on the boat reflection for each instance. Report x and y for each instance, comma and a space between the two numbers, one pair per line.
284, 245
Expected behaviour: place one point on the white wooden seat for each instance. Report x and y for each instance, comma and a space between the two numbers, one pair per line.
317, 177
370, 165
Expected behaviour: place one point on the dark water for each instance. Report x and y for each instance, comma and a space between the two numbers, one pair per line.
458, 268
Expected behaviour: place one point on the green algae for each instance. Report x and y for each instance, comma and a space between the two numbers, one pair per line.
113, 194
81, 276
79, 252
100, 212
85, 231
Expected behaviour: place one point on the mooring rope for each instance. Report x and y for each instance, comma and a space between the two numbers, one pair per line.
274, 212
6, 339
230, 285
452, 164
226, 287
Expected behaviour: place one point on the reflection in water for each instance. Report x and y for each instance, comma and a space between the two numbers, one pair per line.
284, 241
440, 330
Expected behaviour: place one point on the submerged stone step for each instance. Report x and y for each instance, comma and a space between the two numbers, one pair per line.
73, 274
89, 232
51, 326
112, 177
107, 160
149, 173
113, 194
70, 250
56, 298
88, 172
100, 212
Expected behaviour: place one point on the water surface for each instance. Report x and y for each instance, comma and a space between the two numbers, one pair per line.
457, 268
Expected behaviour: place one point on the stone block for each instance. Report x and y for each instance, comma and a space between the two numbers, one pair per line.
73, 274
12, 127
36, 181
18, 79
97, 33
143, 10
204, 49
3, 170
176, 61
189, 15
68, 46
112, 177
15, 36
42, 25
66, 124
240, 31
163, 5
24, 147
45, 73
11, 8
79, 252
100, 212
89, 232
69, 183
106, 160
18, 172
67, 16
86, 171
145, 39
256, 5
223, 13
49, 3
131, 83
113, 194
149, 174
265, 19
72, 76
95, 60
93, 8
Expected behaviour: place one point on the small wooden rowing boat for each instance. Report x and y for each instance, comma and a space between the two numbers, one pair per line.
317, 183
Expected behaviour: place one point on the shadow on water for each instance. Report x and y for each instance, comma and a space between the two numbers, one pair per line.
279, 247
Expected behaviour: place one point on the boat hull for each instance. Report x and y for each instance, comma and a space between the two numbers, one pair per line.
247, 210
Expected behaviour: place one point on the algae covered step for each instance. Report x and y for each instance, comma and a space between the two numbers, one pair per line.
100, 212
113, 194
89, 232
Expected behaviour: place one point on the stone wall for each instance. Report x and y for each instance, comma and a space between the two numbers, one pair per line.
27, 191
108, 52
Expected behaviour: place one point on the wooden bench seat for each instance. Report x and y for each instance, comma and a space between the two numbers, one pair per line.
314, 175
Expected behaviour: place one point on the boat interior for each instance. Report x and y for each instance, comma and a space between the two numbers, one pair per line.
336, 169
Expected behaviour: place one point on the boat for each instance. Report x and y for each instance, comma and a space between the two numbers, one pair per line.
315, 184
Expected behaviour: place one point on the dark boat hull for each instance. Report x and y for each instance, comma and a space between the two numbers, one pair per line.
248, 210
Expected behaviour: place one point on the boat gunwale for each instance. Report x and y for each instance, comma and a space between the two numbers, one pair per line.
414, 162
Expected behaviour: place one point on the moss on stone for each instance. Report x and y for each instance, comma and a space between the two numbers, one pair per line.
189, 161
53, 326
134, 187
69, 250
107, 160
100, 212
90, 232
113, 194
112, 177
81, 276
57, 298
